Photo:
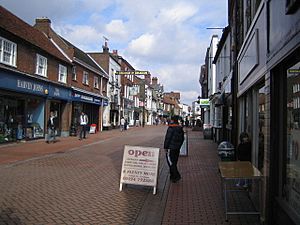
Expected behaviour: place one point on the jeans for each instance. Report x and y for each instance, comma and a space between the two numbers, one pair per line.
82, 131
51, 134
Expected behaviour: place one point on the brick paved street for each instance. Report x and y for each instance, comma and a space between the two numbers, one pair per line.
77, 182
80, 186
197, 198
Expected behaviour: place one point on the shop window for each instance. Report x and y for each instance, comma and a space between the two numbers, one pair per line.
291, 182
41, 65
8, 52
35, 118
245, 113
85, 78
62, 74
260, 129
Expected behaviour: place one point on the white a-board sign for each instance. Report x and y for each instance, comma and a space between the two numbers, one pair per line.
140, 166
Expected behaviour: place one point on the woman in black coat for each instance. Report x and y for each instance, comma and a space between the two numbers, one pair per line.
173, 140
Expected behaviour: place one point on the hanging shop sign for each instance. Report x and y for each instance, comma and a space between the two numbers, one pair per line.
133, 91
204, 102
140, 166
104, 103
136, 72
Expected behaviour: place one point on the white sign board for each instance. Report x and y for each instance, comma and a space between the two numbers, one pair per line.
184, 146
140, 166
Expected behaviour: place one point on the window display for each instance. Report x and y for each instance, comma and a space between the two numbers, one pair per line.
291, 186
20, 118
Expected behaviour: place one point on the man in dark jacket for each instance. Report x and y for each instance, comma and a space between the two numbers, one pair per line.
52, 125
173, 140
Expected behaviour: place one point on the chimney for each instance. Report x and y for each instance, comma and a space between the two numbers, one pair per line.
115, 52
154, 80
44, 25
105, 46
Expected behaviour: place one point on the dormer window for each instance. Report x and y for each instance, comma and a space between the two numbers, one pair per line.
41, 65
8, 52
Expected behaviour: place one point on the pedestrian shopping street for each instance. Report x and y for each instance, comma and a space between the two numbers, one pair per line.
77, 182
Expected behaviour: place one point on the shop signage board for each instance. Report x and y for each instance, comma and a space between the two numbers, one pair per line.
204, 102
22, 83
136, 72
86, 98
59, 92
140, 166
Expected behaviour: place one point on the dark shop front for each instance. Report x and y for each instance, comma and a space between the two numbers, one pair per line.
86, 102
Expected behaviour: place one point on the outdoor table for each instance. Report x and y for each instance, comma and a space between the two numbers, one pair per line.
233, 171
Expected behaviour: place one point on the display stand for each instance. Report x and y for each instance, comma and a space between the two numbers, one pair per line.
233, 172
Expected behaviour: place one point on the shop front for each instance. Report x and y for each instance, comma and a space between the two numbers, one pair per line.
285, 125
59, 102
90, 104
22, 107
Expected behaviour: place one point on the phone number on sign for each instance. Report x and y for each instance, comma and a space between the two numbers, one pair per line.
138, 179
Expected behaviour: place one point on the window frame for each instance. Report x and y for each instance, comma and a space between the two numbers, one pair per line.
43, 67
63, 73
13, 52
74, 74
85, 78
96, 82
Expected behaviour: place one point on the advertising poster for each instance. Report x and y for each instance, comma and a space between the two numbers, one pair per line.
140, 166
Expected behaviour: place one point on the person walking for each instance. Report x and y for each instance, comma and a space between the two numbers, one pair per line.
83, 120
122, 124
174, 139
52, 126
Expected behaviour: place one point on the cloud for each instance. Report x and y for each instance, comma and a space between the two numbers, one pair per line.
143, 45
116, 29
82, 36
178, 13
169, 38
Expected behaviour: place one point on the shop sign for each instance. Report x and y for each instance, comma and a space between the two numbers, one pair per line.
58, 92
105, 103
204, 102
140, 166
97, 101
133, 91
22, 84
136, 72
86, 98
248, 59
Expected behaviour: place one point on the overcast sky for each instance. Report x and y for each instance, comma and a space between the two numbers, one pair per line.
166, 37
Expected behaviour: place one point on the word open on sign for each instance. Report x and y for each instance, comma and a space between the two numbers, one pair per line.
140, 166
